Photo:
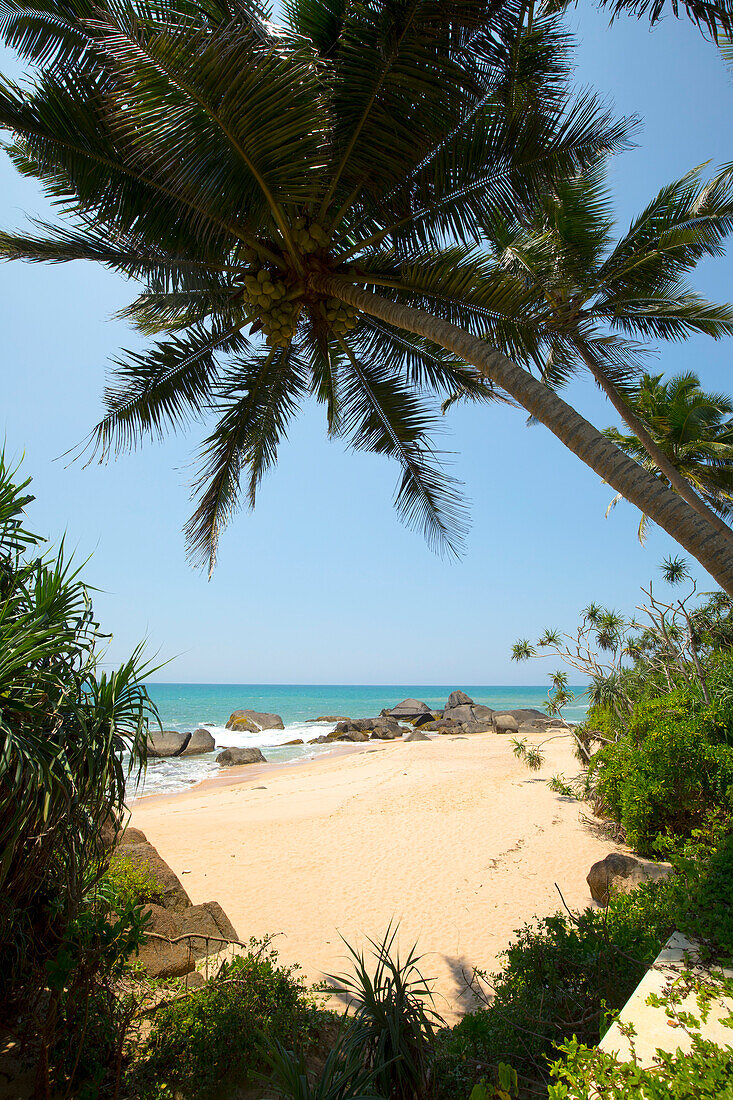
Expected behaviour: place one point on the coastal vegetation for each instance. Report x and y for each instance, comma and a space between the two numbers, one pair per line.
300, 203
296, 202
655, 754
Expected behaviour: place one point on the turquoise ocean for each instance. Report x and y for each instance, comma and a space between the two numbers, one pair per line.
187, 706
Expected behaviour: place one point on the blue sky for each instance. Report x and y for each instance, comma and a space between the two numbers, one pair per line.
322, 584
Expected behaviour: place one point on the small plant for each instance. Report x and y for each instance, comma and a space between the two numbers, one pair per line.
343, 1077
126, 883
394, 1025
532, 755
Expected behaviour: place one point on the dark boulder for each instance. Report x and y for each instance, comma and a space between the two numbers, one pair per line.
207, 926
458, 699
201, 742
442, 725
417, 735
232, 758
408, 709
423, 718
167, 743
384, 729
159, 956
252, 721
295, 741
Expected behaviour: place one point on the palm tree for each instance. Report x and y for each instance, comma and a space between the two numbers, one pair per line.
313, 184
692, 429
581, 296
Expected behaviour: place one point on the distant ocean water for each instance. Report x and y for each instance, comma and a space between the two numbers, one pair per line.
187, 706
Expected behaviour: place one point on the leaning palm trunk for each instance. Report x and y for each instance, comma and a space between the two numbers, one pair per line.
679, 483
666, 507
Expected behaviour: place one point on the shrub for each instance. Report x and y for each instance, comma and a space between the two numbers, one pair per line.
701, 895
392, 1025
704, 1073
214, 1036
126, 883
666, 785
561, 978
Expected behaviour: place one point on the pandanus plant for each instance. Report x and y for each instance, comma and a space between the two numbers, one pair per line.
300, 202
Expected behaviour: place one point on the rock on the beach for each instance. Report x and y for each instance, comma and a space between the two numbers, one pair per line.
407, 709
622, 874
458, 699
442, 725
201, 742
383, 728
479, 725
324, 739
207, 925
160, 957
431, 716
232, 758
417, 735
167, 743
295, 741
505, 723
252, 721
144, 856
349, 735
461, 708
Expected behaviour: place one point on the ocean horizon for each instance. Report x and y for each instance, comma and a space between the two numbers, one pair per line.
188, 706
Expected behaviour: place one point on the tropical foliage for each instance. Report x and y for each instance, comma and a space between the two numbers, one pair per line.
317, 184
692, 429
64, 727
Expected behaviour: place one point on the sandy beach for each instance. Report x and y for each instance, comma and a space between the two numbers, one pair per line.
453, 838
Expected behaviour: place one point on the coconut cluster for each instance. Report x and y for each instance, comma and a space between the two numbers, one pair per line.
267, 293
310, 238
340, 315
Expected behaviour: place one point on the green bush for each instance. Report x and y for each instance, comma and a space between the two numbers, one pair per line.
701, 894
561, 978
667, 785
704, 1073
201, 1044
126, 883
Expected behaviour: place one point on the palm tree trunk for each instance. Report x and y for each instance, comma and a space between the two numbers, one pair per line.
679, 483
650, 494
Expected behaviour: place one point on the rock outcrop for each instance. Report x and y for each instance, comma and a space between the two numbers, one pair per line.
443, 725
622, 873
431, 716
381, 728
164, 954
165, 743
417, 735
201, 741
505, 723
252, 721
408, 709
207, 925
461, 708
232, 758
160, 957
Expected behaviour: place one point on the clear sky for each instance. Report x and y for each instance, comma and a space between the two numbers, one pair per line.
322, 584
